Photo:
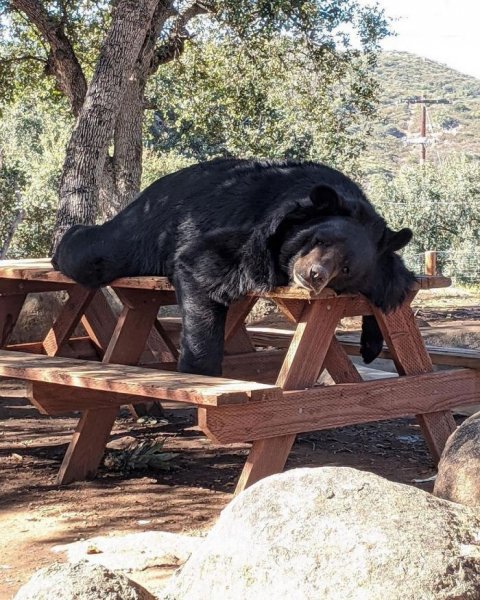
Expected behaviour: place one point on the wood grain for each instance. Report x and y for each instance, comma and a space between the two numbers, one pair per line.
411, 358
344, 404
339, 365
54, 400
41, 270
69, 317
311, 339
134, 381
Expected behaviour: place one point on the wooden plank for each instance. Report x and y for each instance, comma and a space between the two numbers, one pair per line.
340, 366
80, 347
411, 358
237, 313
85, 452
344, 404
54, 400
311, 339
24, 286
237, 340
439, 355
428, 282
135, 381
125, 346
69, 317
99, 321
133, 327
41, 270
261, 366
161, 344
10, 307
292, 309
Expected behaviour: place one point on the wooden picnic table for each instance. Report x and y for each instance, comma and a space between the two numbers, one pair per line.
229, 410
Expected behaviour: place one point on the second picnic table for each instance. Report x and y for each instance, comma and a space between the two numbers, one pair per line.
286, 401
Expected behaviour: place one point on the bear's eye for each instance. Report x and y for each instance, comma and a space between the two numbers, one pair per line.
346, 270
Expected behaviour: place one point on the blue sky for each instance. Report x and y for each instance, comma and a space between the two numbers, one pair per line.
444, 30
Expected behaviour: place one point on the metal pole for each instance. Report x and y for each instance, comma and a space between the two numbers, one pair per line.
423, 133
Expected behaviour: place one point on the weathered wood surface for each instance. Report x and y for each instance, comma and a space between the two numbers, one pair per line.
410, 357
314, 332
40, 269
62, 329
135, 381
343, 404
54, 399
78, 347
439, 355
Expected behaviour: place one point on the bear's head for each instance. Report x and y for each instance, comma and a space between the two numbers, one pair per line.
85, 255
336, 252
345, 245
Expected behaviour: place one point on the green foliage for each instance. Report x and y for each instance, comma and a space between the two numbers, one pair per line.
33, 136
441, 204
24, 55
279, 101
157, 165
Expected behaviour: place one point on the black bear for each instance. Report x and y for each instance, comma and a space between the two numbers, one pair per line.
227, 227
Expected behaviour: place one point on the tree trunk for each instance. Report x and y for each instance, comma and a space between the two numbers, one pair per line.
123, 171
87, 149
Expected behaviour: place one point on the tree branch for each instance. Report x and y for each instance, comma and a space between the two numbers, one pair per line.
62, 61
22, 58
174, 45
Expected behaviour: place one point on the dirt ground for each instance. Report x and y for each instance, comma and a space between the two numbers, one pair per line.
187, 494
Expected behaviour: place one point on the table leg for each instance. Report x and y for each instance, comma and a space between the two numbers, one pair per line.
100, 321
78, 299
125, 347
10, 307
237, 340
411, 358
300, 369
339, 365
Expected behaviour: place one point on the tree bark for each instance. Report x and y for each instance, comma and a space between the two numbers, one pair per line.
112, 107
87, 148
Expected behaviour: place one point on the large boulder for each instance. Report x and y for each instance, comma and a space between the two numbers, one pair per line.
458, 476
335, 534
81, 581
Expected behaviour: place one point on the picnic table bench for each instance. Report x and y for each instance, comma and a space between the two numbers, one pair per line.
266, 396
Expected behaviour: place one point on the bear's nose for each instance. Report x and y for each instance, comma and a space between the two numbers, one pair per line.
318, 274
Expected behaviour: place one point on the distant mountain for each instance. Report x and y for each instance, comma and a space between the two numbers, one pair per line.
451, 128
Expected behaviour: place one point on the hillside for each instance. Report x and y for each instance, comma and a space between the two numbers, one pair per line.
452, 127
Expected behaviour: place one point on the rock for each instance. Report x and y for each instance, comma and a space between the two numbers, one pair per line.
37, 316
335, 534
134, 551
81, 581
458, 478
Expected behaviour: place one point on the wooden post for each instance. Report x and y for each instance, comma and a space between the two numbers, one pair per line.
431, 262
301, 368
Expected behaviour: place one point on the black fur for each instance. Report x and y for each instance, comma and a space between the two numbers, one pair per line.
224, 228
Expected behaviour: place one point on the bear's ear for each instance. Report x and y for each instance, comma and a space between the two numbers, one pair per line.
326, 199
395, 240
